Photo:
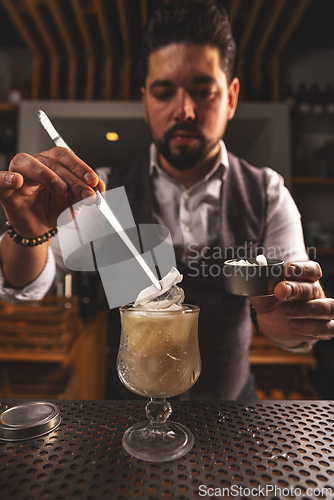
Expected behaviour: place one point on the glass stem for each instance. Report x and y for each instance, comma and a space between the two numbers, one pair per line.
157, 411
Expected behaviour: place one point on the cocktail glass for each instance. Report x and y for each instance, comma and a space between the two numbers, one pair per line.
159, 358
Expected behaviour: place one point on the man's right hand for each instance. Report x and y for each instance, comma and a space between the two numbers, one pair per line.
33, 193
38, 188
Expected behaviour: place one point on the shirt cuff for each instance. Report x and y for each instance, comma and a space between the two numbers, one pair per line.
35, 290
302, 348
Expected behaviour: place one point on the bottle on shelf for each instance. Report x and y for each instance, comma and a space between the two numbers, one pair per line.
330, 157
299, 162
16, 90
289, 96
7, 147
303, 99
318, 235
3, 155
329, 98
317, 99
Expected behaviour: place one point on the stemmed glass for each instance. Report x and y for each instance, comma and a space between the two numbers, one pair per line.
158, 357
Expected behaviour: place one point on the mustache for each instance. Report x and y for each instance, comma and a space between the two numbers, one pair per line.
184, 126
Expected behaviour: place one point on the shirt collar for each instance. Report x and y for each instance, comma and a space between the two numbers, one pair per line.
222, 160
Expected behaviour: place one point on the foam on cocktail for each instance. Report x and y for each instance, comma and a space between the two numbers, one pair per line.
170, 296
260, 261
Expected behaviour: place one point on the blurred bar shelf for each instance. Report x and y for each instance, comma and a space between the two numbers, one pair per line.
8, 106
281, 374
325, 251
51, 331
314, 180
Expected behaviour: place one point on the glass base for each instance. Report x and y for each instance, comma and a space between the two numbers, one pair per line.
158, 443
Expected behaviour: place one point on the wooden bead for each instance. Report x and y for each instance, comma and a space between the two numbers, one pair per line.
30, 241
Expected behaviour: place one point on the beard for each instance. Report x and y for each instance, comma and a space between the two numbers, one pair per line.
185, 158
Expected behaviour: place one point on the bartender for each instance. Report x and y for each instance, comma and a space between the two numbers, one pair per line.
207, 197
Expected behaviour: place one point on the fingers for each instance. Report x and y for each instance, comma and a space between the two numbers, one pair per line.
309, 330
36, 172
302, 271
8, 182
56, 177
311, 314
313, 309
306, 314
296, 290
313, 319
57, 170
301, 282
101, 185
74, 165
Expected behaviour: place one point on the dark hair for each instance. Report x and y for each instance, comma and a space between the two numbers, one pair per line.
199, 22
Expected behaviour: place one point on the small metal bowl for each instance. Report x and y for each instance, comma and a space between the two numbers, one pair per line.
252, 281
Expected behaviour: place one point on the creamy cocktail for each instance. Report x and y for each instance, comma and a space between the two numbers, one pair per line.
159, 355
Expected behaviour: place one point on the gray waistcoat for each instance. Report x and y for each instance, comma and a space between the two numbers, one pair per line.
224, 325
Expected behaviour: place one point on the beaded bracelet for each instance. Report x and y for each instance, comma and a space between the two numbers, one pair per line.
31, 242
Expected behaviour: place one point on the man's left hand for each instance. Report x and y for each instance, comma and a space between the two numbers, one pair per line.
299, 310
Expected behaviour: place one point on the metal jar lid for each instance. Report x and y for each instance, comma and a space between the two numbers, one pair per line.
28, 420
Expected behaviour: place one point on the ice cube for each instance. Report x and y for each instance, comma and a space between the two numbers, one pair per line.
241, 262
170, 295
171, 298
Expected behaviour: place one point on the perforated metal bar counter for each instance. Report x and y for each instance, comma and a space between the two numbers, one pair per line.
242, 449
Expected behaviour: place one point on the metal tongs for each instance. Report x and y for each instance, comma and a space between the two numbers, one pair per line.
102, 203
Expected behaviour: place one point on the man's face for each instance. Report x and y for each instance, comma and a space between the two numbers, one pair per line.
187, 102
